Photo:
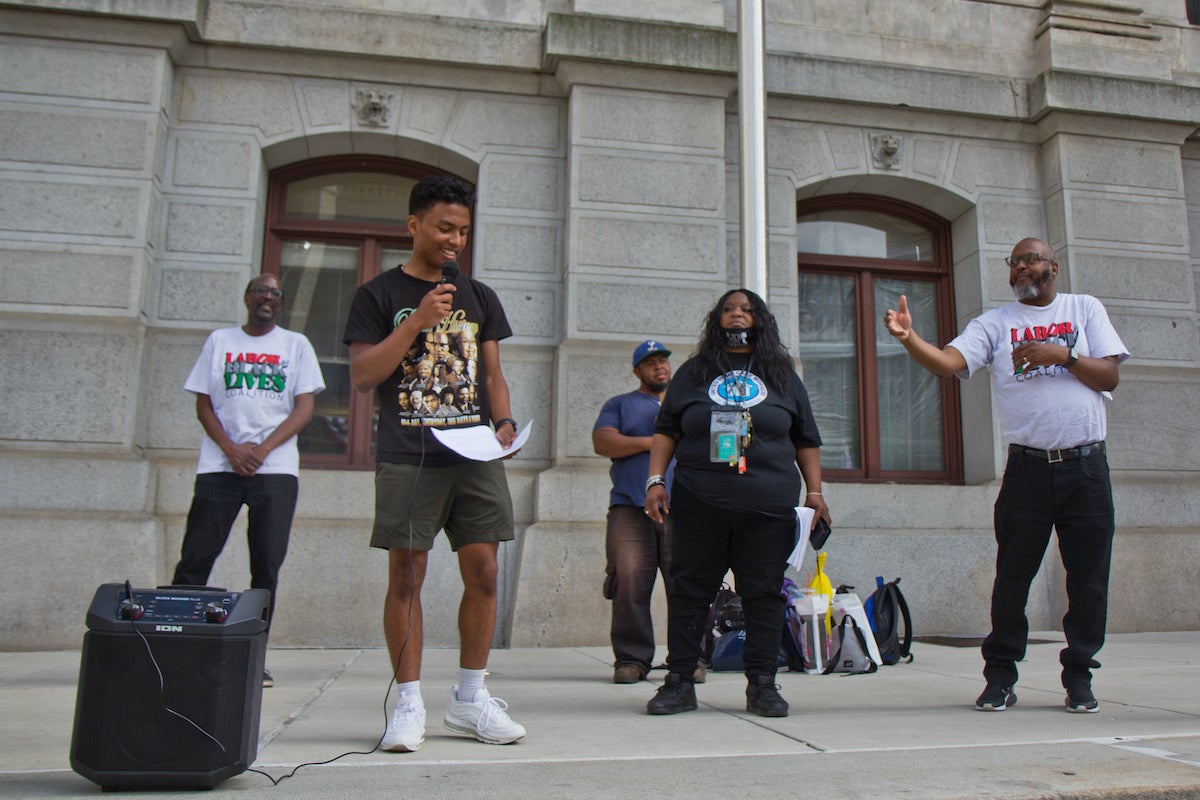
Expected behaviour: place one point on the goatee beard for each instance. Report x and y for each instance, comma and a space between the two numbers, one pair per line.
1030, 289
1025, 291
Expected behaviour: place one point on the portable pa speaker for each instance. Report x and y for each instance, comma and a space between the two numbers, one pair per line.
198, 724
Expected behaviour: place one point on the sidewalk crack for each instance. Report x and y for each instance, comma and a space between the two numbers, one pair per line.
316, 695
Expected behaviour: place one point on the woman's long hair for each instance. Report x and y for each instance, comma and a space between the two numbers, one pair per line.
771, 358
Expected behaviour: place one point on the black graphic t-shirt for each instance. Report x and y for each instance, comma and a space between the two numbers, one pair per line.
440, 381
781, 422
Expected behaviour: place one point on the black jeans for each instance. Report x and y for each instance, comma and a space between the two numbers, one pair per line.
706, 542
638, 548
219, 496
1075, 498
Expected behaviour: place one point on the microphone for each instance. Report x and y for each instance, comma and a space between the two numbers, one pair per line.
129, 609
449, 271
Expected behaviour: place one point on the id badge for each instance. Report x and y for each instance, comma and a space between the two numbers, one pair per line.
725, 437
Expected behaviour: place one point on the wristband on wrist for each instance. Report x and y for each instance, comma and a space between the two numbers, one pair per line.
506, 421
655, 480
818, 494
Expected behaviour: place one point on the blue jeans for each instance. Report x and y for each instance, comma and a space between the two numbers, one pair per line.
1075, 498
706, 542
218, 497
638, 549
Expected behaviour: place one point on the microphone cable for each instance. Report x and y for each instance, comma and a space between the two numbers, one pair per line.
134, 615
399, 656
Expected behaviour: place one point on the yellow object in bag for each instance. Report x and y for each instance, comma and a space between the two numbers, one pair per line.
820, 585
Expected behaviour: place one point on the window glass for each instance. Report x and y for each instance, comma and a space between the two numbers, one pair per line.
867, 234
350, 197
318, 282
393, 257
910, 400
829, 329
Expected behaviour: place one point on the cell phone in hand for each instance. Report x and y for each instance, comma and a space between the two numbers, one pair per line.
819, 535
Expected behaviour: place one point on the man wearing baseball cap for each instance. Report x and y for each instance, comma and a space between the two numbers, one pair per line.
637, 547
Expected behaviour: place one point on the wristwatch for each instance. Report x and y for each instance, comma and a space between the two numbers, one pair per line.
1071, 357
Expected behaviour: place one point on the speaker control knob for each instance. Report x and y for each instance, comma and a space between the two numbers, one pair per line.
215, 612
130, 610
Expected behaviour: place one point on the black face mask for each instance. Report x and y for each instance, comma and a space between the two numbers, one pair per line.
738, 337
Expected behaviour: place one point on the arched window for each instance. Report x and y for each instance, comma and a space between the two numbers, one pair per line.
882, 417
333, 224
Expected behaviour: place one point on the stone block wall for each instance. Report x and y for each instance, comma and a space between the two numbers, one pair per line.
81, 130
135, 151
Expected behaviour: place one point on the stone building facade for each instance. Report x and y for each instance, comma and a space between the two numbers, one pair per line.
138, 144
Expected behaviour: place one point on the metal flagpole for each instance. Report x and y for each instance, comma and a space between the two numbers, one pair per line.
752, 129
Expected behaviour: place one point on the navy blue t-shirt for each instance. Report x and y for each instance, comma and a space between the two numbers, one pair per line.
633, 415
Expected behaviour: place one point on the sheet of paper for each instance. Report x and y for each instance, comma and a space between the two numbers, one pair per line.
804, 521
479, 442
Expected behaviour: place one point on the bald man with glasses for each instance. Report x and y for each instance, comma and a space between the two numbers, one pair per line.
254, 387
1054, 361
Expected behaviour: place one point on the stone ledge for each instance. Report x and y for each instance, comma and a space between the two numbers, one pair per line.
188, 13
446, 39
596, 38
1160, 101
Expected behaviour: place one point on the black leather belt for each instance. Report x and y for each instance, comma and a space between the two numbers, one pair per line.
1054, 456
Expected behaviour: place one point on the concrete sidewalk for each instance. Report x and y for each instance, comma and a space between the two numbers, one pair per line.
907, 731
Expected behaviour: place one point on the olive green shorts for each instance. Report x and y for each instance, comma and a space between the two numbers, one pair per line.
470, 501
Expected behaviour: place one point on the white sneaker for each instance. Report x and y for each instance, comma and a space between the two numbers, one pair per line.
406, 730
485, 719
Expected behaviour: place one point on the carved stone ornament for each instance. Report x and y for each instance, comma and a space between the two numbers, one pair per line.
885, 150
374, 109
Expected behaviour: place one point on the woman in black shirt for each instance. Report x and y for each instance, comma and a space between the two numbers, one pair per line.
736, 418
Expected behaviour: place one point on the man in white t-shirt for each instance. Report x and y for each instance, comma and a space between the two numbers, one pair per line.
1054, 360
254, 388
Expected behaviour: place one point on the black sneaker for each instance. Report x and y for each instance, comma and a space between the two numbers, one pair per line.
674, 696
763, 698
996, 698
1080, 700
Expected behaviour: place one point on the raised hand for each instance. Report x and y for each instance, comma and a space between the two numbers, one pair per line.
899, 323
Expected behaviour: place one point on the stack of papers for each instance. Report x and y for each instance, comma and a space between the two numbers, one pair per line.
804, 522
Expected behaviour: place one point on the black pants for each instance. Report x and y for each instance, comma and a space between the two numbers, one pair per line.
706, 542
1075, 498
219, 496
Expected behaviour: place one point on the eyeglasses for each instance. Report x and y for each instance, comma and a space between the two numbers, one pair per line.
267, 291
1025, 258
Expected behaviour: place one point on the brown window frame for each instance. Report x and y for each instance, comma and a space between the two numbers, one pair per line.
371, 238
865, 271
